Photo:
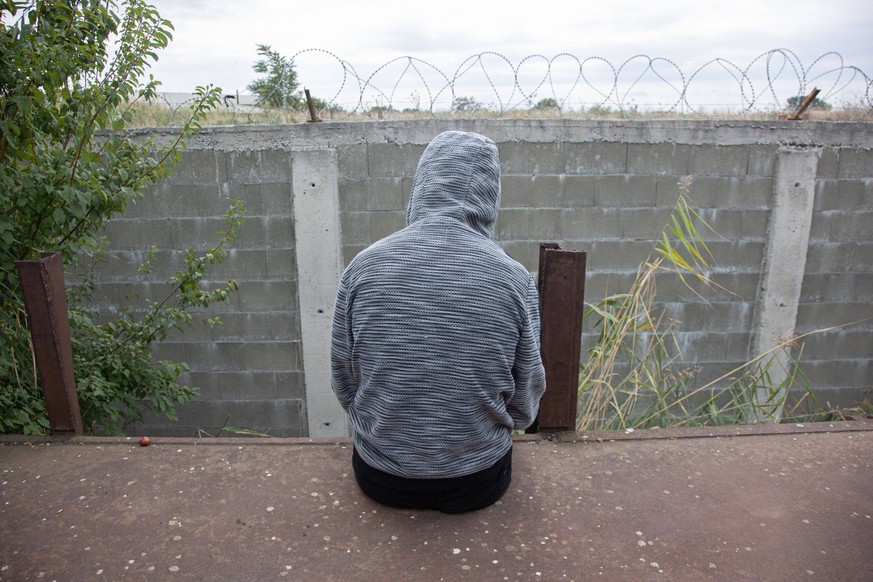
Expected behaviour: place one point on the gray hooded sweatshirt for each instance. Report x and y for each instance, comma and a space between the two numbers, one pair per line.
435, 344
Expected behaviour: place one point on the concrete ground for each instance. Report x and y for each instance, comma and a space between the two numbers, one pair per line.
741, 503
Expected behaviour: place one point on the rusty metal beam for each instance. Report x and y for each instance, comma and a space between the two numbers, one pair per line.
45, 299
561, 281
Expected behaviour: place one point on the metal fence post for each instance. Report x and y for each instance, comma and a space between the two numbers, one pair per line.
561, 281
45, 299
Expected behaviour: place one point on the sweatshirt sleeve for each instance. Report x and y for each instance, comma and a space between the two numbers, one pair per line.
528, 372
342, 374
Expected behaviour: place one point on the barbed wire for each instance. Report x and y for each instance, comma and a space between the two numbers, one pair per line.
491, 83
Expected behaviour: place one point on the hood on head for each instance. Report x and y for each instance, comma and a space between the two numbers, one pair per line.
458, 176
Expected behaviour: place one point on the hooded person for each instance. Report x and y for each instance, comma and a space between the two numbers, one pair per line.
435, 348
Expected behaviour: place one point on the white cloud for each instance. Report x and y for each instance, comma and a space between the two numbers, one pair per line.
215, 40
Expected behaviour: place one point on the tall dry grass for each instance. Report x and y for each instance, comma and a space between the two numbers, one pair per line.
632, 377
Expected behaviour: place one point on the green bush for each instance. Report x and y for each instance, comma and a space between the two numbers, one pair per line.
70, 69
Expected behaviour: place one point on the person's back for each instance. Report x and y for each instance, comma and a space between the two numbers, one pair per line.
435, 348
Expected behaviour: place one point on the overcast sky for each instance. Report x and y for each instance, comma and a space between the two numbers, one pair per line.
215, 42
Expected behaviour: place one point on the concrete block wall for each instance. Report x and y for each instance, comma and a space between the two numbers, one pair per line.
603, 187
248, 368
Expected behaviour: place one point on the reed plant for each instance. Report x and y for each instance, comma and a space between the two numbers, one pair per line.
634, 377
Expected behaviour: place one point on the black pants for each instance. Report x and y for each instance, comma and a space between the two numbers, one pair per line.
455, 495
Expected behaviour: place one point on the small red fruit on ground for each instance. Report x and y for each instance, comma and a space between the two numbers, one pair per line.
145, 441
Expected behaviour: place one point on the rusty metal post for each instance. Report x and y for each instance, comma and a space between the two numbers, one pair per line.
561, 280
313, 116
804, 105
45, 299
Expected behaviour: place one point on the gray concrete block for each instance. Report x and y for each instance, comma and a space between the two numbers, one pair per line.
579, 191
719, 160
864, 257
701, 347
843, 397
516, 191
749, 192
391, 159
835, 287
658, 159
383, 223
354, 194
856, 164
754, 225
720, 224
826, 376
244, 167
713, 317
355, 227
138, 234
134, 294
169, 351
196, 331
618, 255
199, 233
601, 282
667, 191
240, 265
843, 195
525, 252
531, 158
207, 386
247, 385
210, 416
548, 192
839, 344
274, 199
266, 232
830, 257
737, 347
217, 308
821, 227
120, 265
595, 158
527, 225
278, 414
722, 286
275, 166
723, 192
218, 202
248, 326
281, 264
267, 296
545, 225
704, 192
643, 223
285, 325
625, 191
742, 255
386, 194
272, 356
812, 317
215, 356
200, 167
350, 252
290, 385
352, 161
762, 160
167, 199
829, 164
591, 224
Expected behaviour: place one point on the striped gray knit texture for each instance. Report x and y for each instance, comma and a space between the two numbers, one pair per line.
435, 344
